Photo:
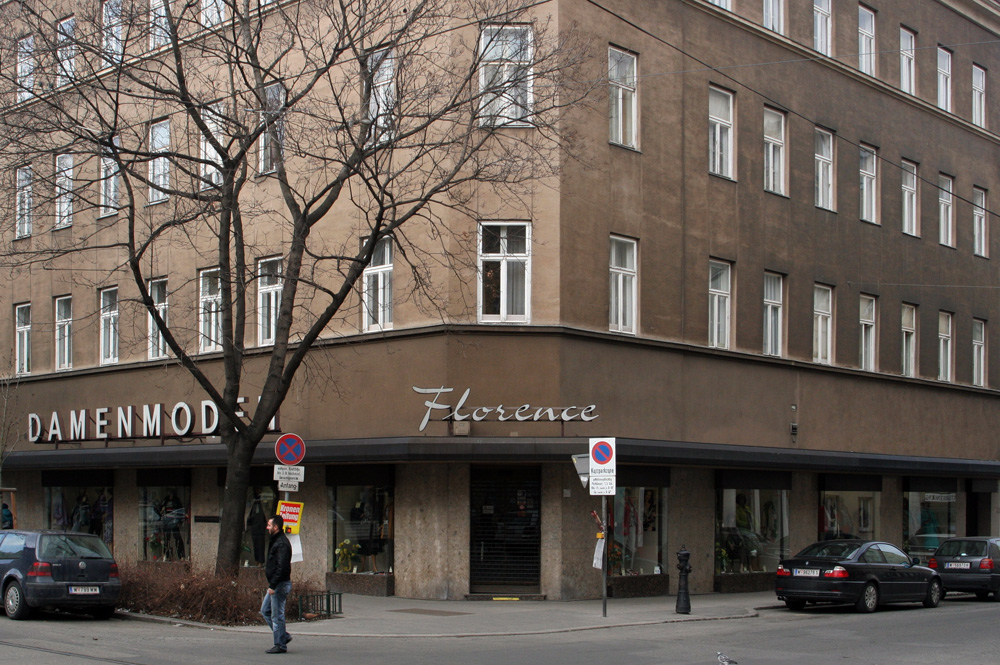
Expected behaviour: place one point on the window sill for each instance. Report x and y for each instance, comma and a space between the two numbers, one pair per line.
150, 204
722, 177
825, 209
870, 222
946, 245
64, 227
981, 256
623, 146
781, 195
915, 236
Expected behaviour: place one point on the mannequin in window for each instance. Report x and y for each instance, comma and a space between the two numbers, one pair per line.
81, 513
257, 525
172, 513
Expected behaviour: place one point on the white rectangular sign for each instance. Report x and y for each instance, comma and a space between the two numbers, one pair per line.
282, 472
288, 486
599, 554
603, 466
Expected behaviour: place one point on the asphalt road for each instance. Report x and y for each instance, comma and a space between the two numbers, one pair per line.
962, 630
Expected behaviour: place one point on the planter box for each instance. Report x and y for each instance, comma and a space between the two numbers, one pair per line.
635, 586
361, 584
744, 582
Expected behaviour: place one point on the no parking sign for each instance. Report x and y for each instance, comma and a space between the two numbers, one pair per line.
603, 467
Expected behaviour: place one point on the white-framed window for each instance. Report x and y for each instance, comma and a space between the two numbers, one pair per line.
211, 175
980, 229
378, 287
866, 40
268, 299
907, 61
65, 51
212, 12
822, 324
210, 310
22, 323
946, 219
822, 27
112, 46
720, 132
868, 192
944, 79
108, 199
64, 191
505, 75
908, 171
623, 111
25, 68
109, 325
774, 15
382, 98
774, 151
158, 347
773, 297
979, 353
725, 4
623, 269
272, 139
824, 169
944, 346
909, 341
64, 332
159, 27
868, 336
159, 167
504, 272
978, 96
24, 205
719, 293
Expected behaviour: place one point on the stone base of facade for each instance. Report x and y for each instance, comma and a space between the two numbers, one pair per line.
361, 584
635, 586
744, 582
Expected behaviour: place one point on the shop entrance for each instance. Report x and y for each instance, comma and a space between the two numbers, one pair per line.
505, 545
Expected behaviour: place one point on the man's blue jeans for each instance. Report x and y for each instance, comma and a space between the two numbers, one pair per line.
273, 611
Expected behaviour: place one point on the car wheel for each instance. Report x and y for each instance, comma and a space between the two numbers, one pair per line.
982, 595
104, 613
794, 605
868, 600
933, 596
13, 602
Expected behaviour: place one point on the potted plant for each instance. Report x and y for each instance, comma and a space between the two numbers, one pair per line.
347, 555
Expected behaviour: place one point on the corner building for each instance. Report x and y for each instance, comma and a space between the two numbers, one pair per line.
769, 272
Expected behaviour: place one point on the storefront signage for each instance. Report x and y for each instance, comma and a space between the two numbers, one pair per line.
940, 497
149, 421
501, 413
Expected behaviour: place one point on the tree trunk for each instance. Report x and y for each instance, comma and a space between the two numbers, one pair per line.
234, 496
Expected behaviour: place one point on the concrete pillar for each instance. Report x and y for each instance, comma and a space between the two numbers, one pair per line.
691, 522
891, 510
803, 508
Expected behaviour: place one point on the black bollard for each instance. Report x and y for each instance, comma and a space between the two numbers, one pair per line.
683, 595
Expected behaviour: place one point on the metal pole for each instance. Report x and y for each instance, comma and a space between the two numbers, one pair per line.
604, 559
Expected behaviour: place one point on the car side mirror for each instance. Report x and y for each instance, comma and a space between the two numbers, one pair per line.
915, 560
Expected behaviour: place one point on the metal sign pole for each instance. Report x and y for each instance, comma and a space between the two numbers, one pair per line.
604, 561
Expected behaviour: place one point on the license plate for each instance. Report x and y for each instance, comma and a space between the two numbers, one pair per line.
964, 565
84, 590
805, 572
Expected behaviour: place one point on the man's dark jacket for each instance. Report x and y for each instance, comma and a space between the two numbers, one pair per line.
278, 568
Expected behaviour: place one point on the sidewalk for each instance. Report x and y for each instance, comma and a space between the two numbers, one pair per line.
368, 616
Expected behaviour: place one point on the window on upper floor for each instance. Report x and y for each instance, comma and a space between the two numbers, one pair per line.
945, 371
909, 341
268, 299
210, 311
64, 191
211, 175
946, 214
22, 327
159, 26
382, 103
824, 170
910, 216
944, 79
980, 229
774, 151
907, 61
720, 132
112, 46
159, 167
822, 27
719, 293
868, 192
505, 74
378, 288
64, 332
272, 139
25, 69
623, 111
212, 12
774, 15
978, 96
623, 268
504, 272
725, 4
867, 55
109, 325
869, 338
158, 347
108, 196
24, 205
65, 51
773, 298
822, 324
979, 353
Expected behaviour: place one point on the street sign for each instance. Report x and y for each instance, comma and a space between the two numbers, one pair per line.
296, 473
288, 486
603, 467
291, 513
290, 448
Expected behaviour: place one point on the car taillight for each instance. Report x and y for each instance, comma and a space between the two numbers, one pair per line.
838, 572
932, 563
114, 570
40, 569
783, 572
986, 564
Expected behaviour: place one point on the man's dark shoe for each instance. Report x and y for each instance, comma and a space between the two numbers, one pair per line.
275, 650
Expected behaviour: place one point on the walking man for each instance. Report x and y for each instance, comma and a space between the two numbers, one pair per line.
278, 570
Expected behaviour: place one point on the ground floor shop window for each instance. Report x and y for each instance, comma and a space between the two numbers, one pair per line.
928, 519
751, 530
849, 514
261, 504
638, 522
361, 527
83, 509
164, 523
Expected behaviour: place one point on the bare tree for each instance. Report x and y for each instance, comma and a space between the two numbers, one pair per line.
316, 131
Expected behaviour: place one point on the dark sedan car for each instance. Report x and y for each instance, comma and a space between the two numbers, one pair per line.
56, 569
969, 564
865, 573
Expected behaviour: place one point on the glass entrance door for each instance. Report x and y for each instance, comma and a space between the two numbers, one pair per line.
505, 543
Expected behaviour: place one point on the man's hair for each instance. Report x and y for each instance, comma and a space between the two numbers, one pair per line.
279, 521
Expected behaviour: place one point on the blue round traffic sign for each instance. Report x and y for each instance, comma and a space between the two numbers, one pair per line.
602, 452
290, 449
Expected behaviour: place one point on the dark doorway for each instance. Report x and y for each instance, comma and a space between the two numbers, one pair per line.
504, 525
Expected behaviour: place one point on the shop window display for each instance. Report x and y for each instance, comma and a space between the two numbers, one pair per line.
845, 514
261, 505
638, 521
164, 523
83, 509
928, 519
751, 533
361, 529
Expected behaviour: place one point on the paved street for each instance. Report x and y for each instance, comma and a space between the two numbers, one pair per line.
962, 630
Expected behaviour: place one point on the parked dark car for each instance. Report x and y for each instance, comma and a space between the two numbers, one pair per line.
57, 569
862, 572
969, 564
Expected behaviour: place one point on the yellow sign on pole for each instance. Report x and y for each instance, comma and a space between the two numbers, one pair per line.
291, 512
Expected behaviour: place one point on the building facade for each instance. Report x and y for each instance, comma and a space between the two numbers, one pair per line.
767, 269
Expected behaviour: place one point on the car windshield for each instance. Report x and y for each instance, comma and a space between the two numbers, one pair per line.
830, 550
78, 545
962, 548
